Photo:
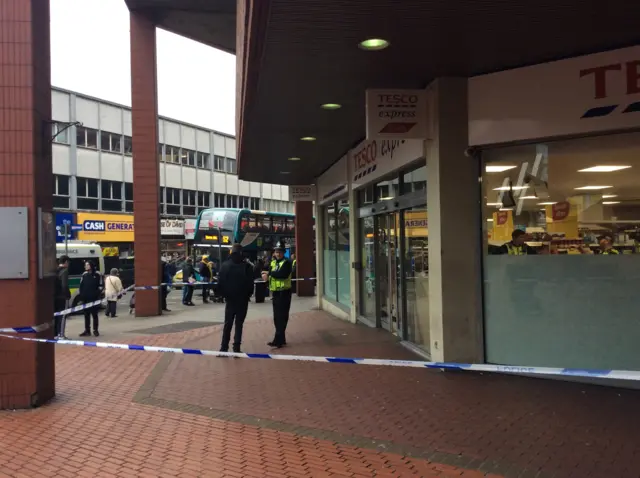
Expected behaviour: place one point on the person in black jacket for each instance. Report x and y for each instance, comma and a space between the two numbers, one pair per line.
62, 295
188, 274
90, 291
235, 284
205, 273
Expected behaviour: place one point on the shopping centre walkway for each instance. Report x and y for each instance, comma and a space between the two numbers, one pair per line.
139, 414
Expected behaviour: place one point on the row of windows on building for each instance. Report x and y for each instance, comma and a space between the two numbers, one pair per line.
103, 195
122, 144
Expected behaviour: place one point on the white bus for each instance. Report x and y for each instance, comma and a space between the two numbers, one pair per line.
78, 253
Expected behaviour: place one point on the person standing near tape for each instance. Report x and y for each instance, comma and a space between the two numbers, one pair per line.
279, 277
62, 296
90, 291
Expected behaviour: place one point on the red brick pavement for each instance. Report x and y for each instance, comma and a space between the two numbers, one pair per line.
95, 428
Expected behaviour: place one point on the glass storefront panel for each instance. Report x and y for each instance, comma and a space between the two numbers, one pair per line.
329, 255
553, 210
416, 270
367, 274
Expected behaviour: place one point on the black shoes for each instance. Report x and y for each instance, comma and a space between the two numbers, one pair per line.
86, 333
96, 333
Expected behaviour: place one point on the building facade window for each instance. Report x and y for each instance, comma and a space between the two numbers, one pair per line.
172, 201
61, 192
219, 200
59, 133
232, 166
254, 203
111, 195
187, 157
160, 152
189, 202
111, 142
86, 137
202, 160
87, 193
244, 202
232, 200
128, 145
128, 197
218, 163
172, 154
204, 201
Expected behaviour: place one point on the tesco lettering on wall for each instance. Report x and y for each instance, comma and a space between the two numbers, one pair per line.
302, 193
397, 114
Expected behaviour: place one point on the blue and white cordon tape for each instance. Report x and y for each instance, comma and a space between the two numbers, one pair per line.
509, 369
88, 305
170, 284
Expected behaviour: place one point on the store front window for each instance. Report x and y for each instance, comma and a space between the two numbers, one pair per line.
337, 282
562, 253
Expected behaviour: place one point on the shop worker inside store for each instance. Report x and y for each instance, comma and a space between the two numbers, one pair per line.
517, 246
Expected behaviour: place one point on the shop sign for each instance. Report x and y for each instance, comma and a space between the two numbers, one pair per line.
105, 227
396, 114
172, 227
581, 95
302, 193
502, 217
110, 251
560, 211
374, 159
189, 229
333, 184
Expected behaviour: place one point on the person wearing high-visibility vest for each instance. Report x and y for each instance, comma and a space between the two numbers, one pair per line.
517, 246
279, 279
606, 248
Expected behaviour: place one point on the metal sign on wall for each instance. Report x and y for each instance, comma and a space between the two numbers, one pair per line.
302, 193
171, 227
397, 114
581, 95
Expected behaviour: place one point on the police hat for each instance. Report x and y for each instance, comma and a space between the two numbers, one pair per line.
280, 246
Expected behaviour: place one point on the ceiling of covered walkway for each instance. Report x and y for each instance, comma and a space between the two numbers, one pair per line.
300, 54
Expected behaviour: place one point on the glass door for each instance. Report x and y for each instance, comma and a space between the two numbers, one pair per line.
388, 266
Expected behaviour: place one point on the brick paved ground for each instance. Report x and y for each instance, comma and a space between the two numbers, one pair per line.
129, 414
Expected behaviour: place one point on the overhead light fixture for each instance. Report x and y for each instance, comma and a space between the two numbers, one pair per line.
602, 169
506, 209
529, 197
294, 158
608, 196
490, 220
608, 203
308, 138
507, 188
498, 169
284, 172
374, 44
496, 204
592, 188
385, 198
331, 106
546, 203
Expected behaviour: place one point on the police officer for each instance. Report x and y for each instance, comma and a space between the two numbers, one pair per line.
517, 246
279, 277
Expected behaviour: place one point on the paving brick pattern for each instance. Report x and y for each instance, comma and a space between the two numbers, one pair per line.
98, 426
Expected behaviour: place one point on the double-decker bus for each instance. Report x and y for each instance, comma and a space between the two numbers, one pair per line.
257, 231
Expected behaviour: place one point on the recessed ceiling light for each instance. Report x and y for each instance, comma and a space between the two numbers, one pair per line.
498, 169
294, 158
607, 196
507, 188
610, 202
331, 106
490, 220
528, 197
583, 188
546, 203
496, 204
374, 44
284, 172
602, 169
308, 138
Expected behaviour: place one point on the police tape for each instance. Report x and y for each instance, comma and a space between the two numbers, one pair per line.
89, 305
213, 282
505, 369
27, 330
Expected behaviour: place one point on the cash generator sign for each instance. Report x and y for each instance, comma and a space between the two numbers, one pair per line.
106, 227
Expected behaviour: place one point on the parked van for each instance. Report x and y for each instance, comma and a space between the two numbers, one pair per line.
78, 253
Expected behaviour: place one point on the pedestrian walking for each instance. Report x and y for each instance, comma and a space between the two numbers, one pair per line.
90, 290
62, 296
188, 276
206, 271
113, 288
279, 277
235, 284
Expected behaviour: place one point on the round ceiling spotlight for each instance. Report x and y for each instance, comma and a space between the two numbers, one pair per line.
308, 138
373, 44
331, 106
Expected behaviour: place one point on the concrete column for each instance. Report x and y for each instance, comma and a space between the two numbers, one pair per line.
453, 203
304, 246
27, 370
146, 175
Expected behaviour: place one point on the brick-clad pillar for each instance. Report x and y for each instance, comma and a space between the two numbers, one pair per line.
146, 175
304, 246
26, 369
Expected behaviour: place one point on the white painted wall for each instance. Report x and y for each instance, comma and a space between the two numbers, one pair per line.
61, 163
60, 106
111, 165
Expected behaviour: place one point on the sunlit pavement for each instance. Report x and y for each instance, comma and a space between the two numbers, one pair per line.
141, 414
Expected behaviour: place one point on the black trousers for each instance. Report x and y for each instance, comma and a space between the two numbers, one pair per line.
281, 306
58, 321
165, 293
260, 292
188, 295
234, 313
205, 292
88, 314
111, 308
